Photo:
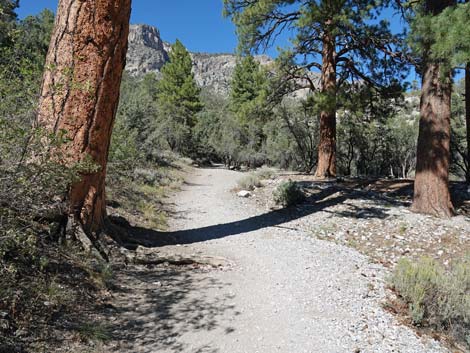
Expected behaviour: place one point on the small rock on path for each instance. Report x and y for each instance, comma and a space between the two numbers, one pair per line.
285, 291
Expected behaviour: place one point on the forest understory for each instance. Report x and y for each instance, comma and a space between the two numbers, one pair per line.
236, 203
112, 299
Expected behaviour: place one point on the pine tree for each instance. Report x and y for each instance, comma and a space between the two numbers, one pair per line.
431, 190
247, 105
336, 37
178, 99
452, 43
248, 90
80, 94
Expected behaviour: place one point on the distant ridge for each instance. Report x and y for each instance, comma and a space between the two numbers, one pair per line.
148, 53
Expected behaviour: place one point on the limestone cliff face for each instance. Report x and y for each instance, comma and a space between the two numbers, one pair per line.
148, 53
215, 71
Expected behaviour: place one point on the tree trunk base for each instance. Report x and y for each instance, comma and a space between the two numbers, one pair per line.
447, 212
105, 245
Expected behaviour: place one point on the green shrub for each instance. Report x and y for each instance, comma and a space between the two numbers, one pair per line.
249, 182
288, 194
437, 298
265, 173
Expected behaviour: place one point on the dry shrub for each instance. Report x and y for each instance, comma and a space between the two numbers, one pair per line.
436, 297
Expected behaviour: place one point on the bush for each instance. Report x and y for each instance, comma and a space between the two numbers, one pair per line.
249, 182
265, 173
437, 298
39, 279
288, 194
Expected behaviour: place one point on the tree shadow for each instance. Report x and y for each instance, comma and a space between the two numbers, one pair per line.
322, 197
379, 199
363, 212
156, 307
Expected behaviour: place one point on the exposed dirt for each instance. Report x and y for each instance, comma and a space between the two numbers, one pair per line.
373, 217
273, 287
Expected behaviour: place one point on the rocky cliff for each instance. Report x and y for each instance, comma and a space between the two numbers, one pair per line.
148, 53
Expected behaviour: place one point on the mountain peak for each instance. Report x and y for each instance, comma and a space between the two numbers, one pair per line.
148, 53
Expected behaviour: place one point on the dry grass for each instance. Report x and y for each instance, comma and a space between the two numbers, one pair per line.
142, 200
249, 182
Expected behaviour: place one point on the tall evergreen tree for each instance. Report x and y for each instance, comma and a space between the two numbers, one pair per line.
340, 38
249, 90
247, 104
431, 190
452, 42
80, 94
178, 99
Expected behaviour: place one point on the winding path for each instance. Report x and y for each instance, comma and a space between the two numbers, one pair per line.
284, 292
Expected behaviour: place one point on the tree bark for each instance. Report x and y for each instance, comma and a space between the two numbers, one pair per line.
467, 118
326, 167
431, 189
80, 93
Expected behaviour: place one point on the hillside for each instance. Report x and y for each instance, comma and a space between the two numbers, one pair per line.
148, 52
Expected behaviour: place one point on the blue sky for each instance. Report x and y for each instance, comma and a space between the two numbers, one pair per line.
199, 24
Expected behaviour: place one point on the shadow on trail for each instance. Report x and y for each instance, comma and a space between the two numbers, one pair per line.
327, 196
156, 307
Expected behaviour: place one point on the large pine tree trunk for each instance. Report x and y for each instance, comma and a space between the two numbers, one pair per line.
326, 167
80, 93
431, 190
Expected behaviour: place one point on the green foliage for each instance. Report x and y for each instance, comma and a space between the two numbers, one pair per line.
288, 193
249, 182
439, 33
436, 298
33, 192
7, 21
254, 179
292, 136
458, 141
377, 138
21, 66
159, 114
450, 35
125, 154
351, 24
248, 112
265, 173
178, 101
248, 91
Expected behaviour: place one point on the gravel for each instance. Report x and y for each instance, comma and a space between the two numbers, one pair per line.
284, 290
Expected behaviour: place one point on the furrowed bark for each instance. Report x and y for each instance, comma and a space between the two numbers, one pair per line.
326, 167
431, 189
80, 93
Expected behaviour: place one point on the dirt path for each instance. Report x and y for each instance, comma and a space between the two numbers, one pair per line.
284, 292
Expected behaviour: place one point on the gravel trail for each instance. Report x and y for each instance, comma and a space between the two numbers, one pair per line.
285, 291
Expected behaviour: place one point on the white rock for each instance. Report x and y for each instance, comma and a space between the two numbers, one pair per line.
244, 193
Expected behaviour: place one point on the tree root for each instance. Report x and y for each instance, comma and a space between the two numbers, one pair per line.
154, 257
116, 244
